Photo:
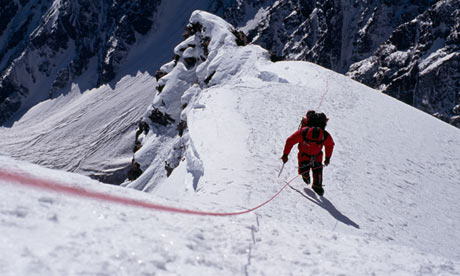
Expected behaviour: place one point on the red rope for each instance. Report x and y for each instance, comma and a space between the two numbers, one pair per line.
57, 187
324, 95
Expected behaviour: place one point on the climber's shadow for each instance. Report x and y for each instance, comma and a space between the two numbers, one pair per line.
327, 205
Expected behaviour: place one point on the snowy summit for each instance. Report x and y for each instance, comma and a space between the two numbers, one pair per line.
210, 140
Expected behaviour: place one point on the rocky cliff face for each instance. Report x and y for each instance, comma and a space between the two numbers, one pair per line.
46, 45
420, 63
332, 33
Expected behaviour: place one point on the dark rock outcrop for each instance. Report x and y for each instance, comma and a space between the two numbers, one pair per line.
331, 33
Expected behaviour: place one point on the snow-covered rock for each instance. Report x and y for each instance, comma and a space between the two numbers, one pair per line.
407, 49
47, 46
208, 56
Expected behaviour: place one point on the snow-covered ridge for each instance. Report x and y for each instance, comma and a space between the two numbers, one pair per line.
205, 58
238, 122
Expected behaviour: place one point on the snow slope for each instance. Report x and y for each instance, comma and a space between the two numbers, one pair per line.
390, 207
89, 132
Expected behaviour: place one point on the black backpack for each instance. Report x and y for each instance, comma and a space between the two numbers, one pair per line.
309, 120
321, 120
314, 119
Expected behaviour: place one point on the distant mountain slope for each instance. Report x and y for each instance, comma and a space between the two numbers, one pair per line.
90, 133
80, 42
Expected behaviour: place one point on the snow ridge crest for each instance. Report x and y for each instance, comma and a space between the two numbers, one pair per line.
200, 61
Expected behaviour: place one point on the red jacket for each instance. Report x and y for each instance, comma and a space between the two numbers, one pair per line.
306, 150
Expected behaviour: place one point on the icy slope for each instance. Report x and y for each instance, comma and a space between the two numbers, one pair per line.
90, 133
390, 208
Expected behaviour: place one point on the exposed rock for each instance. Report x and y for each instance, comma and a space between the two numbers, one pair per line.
61, 80
208, 79
159, 74
408, 49
192, 29
181, 127
241, 38
143, 128
158, 117
8, 11
134, 171
169, 169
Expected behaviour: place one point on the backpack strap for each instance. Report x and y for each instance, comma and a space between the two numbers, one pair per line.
325, 135
304, 133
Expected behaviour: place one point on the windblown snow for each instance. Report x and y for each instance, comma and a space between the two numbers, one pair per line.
391, 190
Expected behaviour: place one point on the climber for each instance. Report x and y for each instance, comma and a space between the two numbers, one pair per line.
311, 138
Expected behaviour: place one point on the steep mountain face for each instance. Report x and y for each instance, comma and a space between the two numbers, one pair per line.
331, 33
420, 63
46, 45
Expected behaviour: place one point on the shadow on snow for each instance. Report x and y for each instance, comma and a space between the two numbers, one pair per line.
327, 205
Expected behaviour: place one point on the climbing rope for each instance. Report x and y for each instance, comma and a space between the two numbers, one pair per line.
77, 191
324, 94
